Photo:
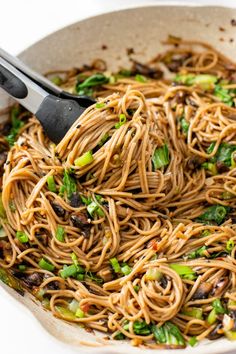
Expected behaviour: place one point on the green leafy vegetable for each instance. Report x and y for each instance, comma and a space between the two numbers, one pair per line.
200, 252
122, 121
168, 334
225, 95
45, 264
184, 271
141, 78
69, 183
161, 157
215, 213
17, 124
119, 335
22, 237
141, 328
60, 233
51, 184
205, 81
84, 159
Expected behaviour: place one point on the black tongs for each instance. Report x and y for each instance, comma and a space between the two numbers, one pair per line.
55, 109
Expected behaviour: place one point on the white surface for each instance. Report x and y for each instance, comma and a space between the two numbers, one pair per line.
22, 23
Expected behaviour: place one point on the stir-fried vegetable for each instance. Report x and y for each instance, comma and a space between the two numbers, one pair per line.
60, 233
141, 328
215, 213
22, 237
8, 279
161, 157
200, 252
141, 78
168, 334
122, 121
184, 271
46, 265
65, 312
195, 312
103, 140
153, 274
100, 105
68, 271
94, 208
225, 95
229, 245
51, 184
115, 265
216, 310
184, 126
192, 341
84, 159
223, 159
204, 81
69, 183
84, 88
17, 124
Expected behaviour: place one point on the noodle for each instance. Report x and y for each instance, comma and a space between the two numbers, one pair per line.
127, 225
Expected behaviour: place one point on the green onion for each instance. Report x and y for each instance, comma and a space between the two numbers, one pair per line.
93, 80
141, 78
80, 276
225, 95
22, 237
153, 274
184, 271
73, 306
17, 124
126, 269
79, 313
210, 167
85, 200
115, 265
217, 306
168, 334
229, 245
69, 183
161, 157
141, 328
51, 184
215, 213
200, 252
211, 318
192, 341
60, 233
66, 313
122, 121
100, 105
184, 125
103, 140
22, 267
85, 159
159, 333
68, 271
195, 312
74, 259
205, 81
44, 264
119, 336
136, 288
12, 206
93, 277
94, 208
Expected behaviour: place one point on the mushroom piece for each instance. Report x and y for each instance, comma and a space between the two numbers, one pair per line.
80, 221
220, 286
58, 209
216, 333
142, 69
202, 291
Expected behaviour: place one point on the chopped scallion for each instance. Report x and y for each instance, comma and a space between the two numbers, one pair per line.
115, 265
51, 184
60, 233
22, 237
46, 265
84, 159
160, 157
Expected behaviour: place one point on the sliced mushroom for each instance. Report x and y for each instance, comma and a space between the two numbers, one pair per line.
216, 333
220, 286
142, 69
80, 221
75, 200
194, 162
30, 280
202, 291
58, 209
